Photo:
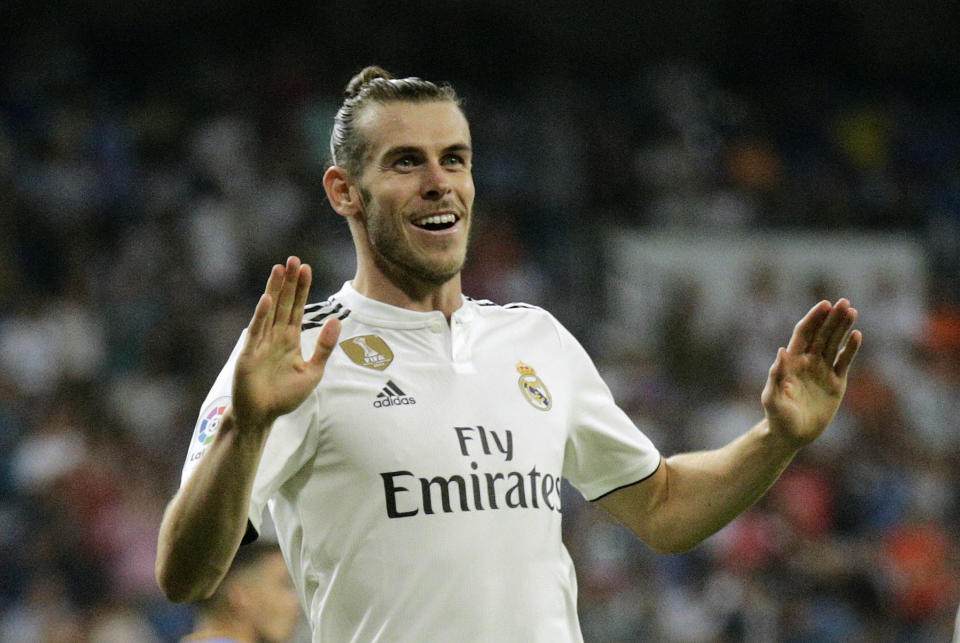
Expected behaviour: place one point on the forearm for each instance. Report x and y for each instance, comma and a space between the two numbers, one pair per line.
205, 522
693, 495
706, 490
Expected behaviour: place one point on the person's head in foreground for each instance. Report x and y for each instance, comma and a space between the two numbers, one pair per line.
255, 602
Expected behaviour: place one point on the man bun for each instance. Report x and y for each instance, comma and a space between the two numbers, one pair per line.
365, 77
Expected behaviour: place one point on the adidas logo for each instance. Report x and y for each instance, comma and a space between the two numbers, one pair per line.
391, 395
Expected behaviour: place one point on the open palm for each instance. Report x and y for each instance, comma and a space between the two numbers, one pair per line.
271, 376
807, 381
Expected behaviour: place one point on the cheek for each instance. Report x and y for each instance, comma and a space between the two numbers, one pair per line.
397, 191
386, 209
469, 191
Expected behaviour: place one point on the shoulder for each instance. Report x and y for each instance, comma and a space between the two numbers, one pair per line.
528, 317
516, 309
314, 315
487, 305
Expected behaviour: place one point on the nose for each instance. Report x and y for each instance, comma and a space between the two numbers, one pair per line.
435, 183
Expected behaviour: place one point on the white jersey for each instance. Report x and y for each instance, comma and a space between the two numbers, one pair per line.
416, 491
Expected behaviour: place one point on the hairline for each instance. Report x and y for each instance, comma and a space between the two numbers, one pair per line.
360, 122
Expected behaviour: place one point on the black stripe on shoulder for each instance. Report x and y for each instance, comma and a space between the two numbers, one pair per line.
316, 319
323, 304
485, 302
480, 302
329, 308
512, 305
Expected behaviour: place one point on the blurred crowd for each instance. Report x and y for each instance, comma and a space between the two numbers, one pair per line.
139, 221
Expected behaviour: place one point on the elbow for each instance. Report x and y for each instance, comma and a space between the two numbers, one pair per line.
182, 575
179, 587
177, 591
666, 540
174, 591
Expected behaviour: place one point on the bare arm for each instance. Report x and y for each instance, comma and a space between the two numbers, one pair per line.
693, 495
205, 522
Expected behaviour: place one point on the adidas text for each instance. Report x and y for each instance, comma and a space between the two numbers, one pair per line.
395, 400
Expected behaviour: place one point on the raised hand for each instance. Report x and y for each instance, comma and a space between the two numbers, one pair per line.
271, 376
807, 381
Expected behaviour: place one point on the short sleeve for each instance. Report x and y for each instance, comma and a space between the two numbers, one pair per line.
605, 450
214, 405
290, 444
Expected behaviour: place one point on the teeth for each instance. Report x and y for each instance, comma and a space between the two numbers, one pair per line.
436, 219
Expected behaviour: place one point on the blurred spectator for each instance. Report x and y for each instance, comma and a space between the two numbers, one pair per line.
921, 581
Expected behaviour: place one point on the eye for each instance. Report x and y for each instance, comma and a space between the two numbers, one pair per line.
454, 159
404, 162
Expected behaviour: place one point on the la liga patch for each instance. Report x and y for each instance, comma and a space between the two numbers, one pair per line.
210, 420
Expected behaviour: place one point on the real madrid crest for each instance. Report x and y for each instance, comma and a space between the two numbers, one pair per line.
533, 388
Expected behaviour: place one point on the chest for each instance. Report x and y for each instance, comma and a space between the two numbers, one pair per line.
431, 401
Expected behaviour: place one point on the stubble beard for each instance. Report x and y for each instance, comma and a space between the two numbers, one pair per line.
394, 257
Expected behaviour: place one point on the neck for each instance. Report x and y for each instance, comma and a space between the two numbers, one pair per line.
408, 293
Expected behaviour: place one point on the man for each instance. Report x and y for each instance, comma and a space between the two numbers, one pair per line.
410, 441
254, 603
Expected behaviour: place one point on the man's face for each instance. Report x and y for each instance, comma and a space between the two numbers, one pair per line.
417, 189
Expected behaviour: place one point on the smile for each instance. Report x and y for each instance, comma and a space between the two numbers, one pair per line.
435, 222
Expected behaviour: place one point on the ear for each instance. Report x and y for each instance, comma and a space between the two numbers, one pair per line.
341, 191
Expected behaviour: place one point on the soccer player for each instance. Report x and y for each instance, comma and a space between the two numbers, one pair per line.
409, 441
254, 603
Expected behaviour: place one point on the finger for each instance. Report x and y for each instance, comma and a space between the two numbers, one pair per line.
287, 291
829, 325
274, 283
854, 342
326, 342
839, 334
258, 321
300, 300
806, 328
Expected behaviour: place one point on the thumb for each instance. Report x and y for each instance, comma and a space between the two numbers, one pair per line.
326, 342
778, 369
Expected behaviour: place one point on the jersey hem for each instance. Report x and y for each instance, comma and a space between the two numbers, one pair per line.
630, 484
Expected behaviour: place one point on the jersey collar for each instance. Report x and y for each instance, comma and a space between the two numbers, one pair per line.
377, 313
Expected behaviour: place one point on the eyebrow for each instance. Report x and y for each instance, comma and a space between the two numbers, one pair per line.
412, 149
458, 147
